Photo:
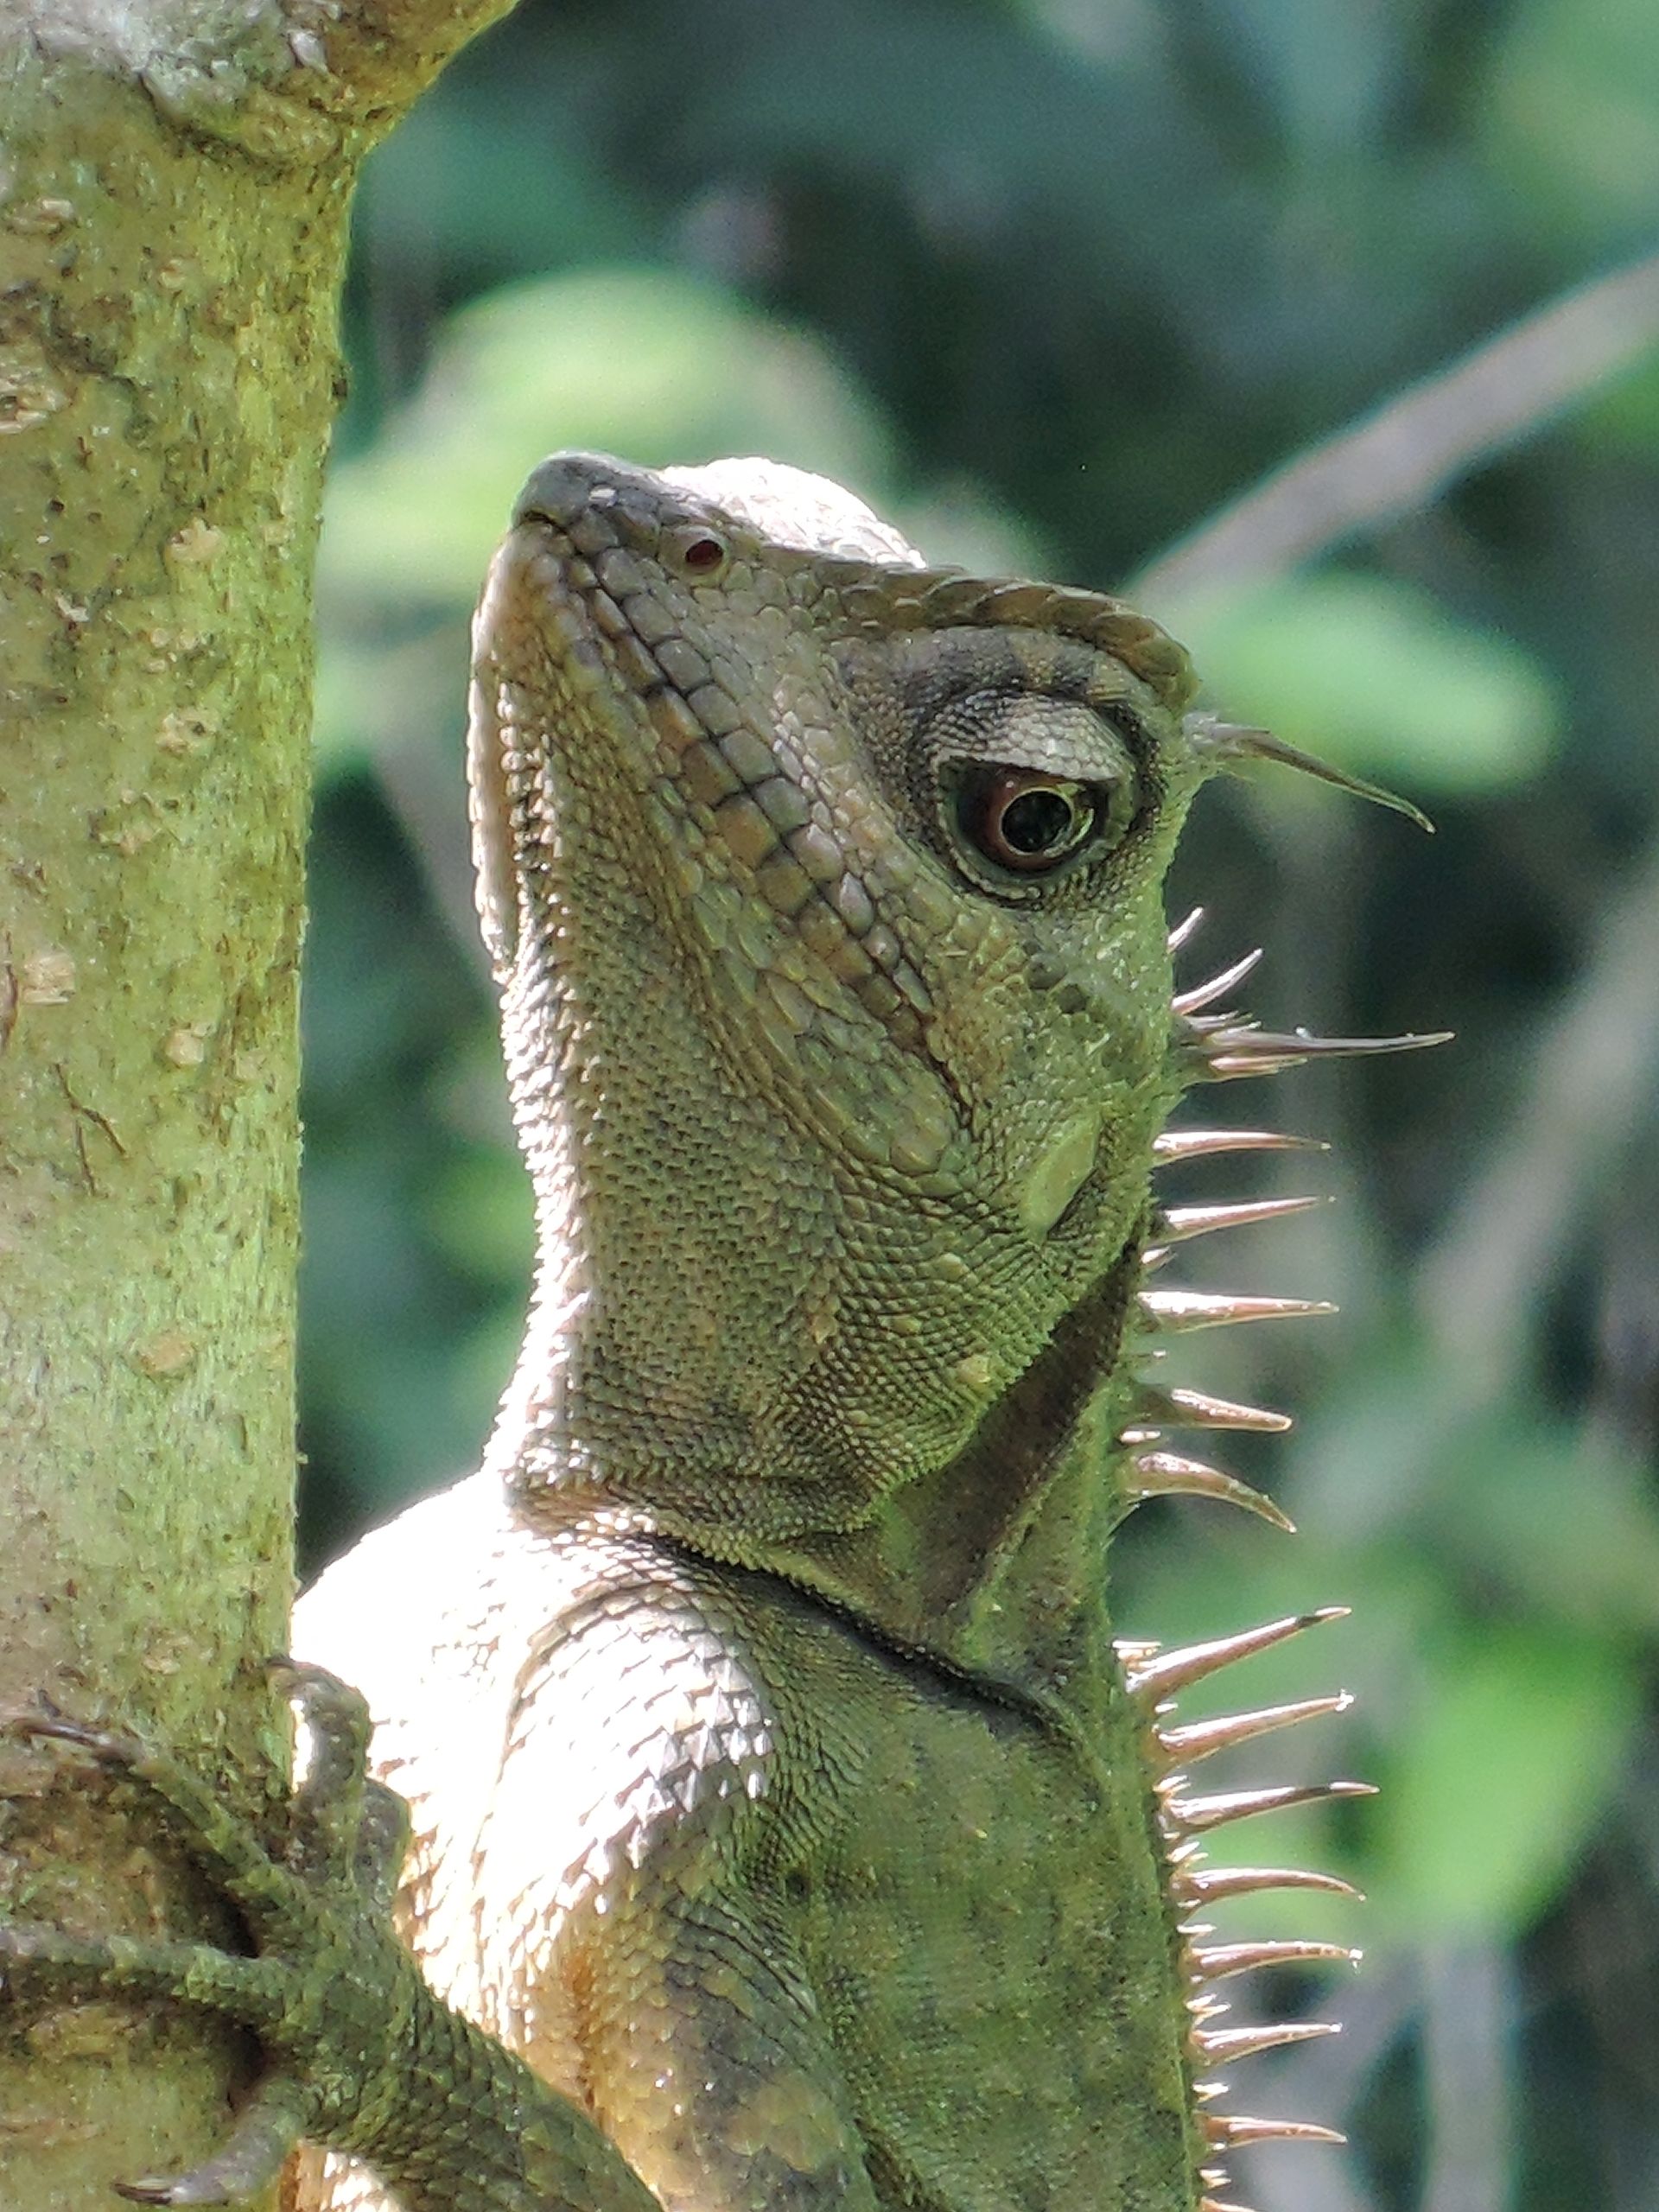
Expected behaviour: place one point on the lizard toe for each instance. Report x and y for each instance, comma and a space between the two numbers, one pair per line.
253, 1993
224, 1845
330, 1808
266, 2131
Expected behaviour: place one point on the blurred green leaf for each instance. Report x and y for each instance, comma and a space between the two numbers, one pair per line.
1376, 677
461, 182
653, 364
1329, 72
1570, 1528
1499, 1777
1624, 418
1570, 116
376, 692
478, 1212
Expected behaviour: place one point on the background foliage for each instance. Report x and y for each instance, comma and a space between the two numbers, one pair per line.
1052, 280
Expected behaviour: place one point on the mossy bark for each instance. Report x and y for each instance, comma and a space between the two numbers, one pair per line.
174, 187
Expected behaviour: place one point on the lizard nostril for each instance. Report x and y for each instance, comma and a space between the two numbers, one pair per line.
694, 549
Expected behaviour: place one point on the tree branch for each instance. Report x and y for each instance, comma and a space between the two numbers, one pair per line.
297, 82
177, 178
1396, 460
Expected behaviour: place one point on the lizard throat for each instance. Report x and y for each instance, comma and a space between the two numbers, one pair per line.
994, 1561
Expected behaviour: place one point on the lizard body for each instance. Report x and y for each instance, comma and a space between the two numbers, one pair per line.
830, 1669
777, 1790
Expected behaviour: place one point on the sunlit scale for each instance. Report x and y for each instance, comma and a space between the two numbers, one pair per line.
1220, 1045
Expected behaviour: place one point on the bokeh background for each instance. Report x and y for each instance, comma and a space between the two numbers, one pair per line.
1055, 283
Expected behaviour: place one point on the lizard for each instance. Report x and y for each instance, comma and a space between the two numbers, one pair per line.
774, 1816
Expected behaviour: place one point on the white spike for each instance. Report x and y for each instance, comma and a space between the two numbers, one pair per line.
1196, 1409
1204, 1144
1171, 1672
1197, 1815
1199, 1738
1245, 1049
1203, 995
1226, 2129
1176, 1224
1184, 932
1166, 1474
1228, 2044
1220, 1960
1210, 1884
1177, 1310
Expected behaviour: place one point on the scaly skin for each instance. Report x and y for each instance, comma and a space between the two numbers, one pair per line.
777, 1790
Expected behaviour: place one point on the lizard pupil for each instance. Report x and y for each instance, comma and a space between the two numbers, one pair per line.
1030, 822
1037, 821
704, 553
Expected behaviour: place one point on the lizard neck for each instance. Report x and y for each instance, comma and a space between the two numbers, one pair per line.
994, 1560
990, 1556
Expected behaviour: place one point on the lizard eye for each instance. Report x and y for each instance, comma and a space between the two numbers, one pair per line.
1029, 822
699, 552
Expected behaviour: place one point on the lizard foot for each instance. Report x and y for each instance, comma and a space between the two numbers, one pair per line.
328, 1989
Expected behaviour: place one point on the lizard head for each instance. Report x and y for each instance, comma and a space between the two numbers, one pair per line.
824, 889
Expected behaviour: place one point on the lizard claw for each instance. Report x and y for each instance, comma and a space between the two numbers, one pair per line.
345, 1826
45, 1721
265, 2133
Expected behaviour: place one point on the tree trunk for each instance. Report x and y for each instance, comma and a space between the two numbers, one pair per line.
174, 187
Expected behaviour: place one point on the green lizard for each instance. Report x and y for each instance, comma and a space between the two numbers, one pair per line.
778, 1794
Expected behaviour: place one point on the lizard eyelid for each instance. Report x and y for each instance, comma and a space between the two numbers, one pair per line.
1027, 787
